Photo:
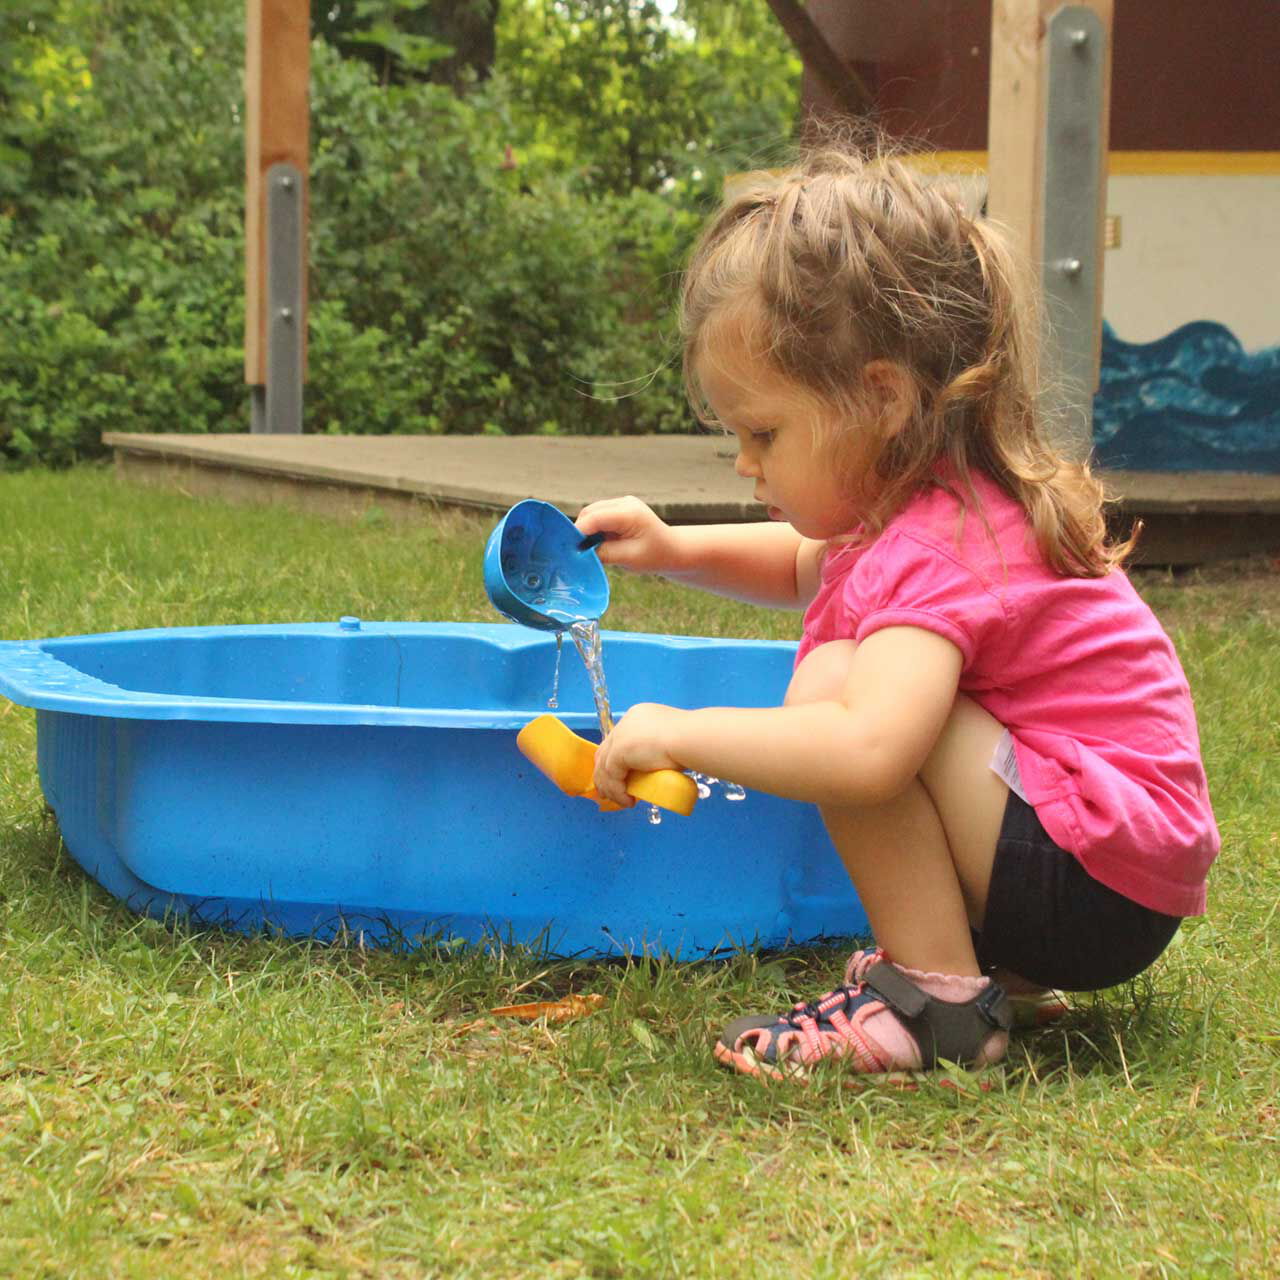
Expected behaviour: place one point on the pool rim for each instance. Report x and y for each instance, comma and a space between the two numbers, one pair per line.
33, 675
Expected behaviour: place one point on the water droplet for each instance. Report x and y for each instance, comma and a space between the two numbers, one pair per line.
704, 791
734, 792
655, 815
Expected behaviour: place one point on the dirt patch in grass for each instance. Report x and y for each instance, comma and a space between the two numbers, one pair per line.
1221, 592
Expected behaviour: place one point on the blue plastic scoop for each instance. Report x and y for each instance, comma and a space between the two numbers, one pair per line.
541, 572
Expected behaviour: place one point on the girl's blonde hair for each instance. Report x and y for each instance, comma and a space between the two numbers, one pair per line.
853, 257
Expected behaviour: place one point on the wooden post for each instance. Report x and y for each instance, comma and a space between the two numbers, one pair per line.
844, 84
277, 127
1015, 129
1017, 124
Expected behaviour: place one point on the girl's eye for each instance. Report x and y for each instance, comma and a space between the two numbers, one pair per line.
762, 437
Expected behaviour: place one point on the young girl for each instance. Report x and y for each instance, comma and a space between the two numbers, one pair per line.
995, 727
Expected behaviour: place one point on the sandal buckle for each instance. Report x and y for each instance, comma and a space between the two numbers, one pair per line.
993, 1004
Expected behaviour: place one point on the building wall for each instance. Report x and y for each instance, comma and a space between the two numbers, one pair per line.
1187, 75
1194, 246
1191, 294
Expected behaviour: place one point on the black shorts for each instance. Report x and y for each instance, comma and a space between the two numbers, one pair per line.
1051, 922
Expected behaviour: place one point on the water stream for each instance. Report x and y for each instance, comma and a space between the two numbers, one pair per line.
585, 633
586, 639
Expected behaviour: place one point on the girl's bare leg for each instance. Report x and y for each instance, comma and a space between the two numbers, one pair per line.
921, 863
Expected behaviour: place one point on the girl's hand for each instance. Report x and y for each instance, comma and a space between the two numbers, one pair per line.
637, 538
637, 741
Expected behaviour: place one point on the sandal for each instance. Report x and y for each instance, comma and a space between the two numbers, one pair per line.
881, 1020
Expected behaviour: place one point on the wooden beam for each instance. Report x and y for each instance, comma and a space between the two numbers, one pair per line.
841, 81
1015, 132
277, 131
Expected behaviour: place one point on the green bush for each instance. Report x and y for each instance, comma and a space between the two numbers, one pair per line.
121, 271
495, 302
449, 293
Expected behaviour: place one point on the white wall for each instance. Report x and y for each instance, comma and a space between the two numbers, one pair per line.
1194, 247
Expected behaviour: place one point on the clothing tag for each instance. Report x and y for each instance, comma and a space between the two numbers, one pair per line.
1004, 763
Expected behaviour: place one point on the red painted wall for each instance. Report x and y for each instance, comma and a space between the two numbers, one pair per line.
1187, 75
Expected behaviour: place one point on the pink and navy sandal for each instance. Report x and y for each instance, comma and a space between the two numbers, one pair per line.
884, 1019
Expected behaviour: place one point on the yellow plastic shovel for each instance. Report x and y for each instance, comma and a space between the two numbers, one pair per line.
570, 761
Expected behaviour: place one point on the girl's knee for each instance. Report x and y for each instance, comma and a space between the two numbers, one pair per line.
823, 675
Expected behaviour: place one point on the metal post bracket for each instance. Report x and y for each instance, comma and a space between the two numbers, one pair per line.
286, 313
1076, 49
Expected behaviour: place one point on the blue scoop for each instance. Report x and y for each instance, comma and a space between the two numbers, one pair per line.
541, 572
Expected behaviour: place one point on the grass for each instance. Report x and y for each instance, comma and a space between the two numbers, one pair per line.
184, 1102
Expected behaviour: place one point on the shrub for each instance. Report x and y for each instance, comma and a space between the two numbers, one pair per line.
449, 293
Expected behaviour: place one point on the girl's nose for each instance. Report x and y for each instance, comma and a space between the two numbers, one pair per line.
748, 468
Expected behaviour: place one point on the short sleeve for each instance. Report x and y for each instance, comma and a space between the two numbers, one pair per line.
907, 581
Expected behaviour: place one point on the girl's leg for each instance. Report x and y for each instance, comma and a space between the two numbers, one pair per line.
922, 862
922, 866
901, 865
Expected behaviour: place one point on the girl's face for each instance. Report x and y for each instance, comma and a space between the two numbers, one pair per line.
782, 446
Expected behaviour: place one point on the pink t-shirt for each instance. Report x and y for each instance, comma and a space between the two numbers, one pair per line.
1077, 669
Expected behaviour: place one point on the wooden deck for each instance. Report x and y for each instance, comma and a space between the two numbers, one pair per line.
1189, 517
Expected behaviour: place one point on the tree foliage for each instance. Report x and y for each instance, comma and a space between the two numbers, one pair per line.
632, 94
446, 41
495, 257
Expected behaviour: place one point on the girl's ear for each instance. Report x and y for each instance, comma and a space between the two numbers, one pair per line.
891, 392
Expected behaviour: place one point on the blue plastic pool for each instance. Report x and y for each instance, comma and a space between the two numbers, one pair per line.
322, 776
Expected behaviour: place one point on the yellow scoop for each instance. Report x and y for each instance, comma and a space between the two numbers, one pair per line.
570, 761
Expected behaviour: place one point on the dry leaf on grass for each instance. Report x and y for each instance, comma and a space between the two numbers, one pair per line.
553, 1010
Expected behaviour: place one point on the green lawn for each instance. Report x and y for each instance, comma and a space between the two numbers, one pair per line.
182, 1102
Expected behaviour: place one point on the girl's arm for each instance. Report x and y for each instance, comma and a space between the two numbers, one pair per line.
861, 749
763, 563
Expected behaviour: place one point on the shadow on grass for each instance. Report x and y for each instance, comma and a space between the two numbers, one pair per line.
1144, 1030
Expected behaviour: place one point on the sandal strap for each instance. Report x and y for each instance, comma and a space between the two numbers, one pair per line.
956, 1032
